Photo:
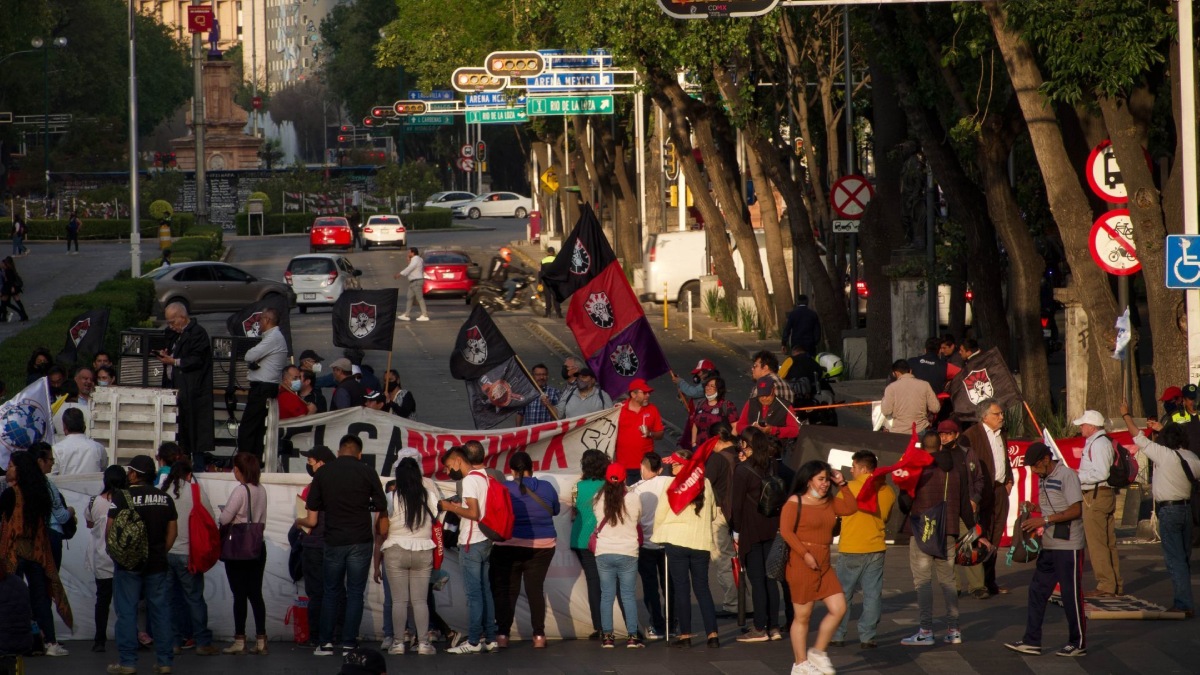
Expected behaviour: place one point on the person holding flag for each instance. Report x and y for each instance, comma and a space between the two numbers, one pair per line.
498, 385
638, 426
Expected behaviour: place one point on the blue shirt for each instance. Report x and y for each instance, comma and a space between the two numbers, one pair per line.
531, 520
536, 412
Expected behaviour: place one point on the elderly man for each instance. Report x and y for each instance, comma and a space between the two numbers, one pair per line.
76, 453
908, 401
988, 440
266, 361
85, 384
188, 370
1099, 504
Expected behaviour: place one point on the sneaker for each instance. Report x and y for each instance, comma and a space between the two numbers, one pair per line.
324, 650
189, 644
489, 647
652, 635
403, 317
465, 648
805, 668
634, 642
426, 649
1071, 650
55, 649
820, 662
160, 669
608, 642
397, 649
953, 637
1020, 646
922, 638
145, 640
776, 634
423, 317
118, 669
754, 636
387, 644
454, 638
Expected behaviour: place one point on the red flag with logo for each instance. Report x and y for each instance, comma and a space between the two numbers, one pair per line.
905, 475
689, 482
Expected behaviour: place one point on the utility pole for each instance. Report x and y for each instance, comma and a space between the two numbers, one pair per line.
850, 148
135, 235
198, 58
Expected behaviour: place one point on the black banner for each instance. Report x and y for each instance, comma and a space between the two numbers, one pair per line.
245, 321
985, 376
85, 336
499, 393
480, 347
365, 319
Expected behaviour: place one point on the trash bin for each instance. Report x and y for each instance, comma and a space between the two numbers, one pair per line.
164, 236
535, 225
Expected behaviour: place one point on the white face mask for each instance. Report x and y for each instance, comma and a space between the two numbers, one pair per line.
316, 368
296, 385
814, 493
102, 383
710, 397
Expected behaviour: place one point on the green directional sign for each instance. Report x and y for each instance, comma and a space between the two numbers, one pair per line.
428, 120
570, 105
497, 115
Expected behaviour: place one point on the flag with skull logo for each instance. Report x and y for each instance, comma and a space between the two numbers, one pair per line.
365, 319
496, 383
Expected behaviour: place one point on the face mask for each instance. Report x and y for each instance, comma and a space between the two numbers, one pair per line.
308, 467
710, 397
296, 385
814, 493
455, 474
102, 383
316, 369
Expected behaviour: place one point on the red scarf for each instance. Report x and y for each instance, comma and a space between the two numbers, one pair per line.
689, 482
905, 475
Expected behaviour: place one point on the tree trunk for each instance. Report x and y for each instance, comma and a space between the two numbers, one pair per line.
781, 284
655, 205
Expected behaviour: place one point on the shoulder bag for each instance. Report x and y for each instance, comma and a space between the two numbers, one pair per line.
243, 541
777, 557
929, 527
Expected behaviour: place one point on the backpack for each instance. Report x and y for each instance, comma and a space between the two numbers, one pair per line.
1124, 469
497, 520
773, 495
1025, 545
204, 542
126, 541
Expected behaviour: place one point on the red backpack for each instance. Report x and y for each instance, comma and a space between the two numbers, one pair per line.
204, 543
497, 520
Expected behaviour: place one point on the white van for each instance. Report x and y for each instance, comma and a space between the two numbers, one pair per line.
677, 260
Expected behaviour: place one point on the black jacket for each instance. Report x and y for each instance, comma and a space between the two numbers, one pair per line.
193, 380
803, 328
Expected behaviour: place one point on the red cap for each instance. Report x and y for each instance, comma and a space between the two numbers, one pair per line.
640, 385
704, 364
948, 427
1171, 393
615, 473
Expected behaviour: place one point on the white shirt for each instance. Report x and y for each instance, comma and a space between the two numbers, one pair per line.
98, 560
648, 492
420, 539
1169, 483
80, 404
1097, 460
618, 538
415, 271
999, 452
77, 453
474, 486
271, 356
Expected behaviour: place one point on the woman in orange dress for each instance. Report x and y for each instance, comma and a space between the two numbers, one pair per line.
807, 524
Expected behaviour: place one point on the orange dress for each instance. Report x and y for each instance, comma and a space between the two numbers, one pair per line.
814, 535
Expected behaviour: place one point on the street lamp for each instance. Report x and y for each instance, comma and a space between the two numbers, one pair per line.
39, 43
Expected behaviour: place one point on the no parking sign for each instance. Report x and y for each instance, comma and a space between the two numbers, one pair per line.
850, 196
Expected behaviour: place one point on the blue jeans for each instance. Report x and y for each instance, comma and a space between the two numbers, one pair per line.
1175, 530
193, 620
128, 588
481, 606
690, 565
618, 571
345, 569
388, 628
861, 570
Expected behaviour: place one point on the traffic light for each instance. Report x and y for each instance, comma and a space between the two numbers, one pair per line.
170, 159
477, 79
371, 122
480, 151
409, 107
515, 64
674, 200
670, 161
158, 159
382, 112
344, 138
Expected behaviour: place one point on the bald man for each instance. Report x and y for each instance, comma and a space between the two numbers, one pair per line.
187, 368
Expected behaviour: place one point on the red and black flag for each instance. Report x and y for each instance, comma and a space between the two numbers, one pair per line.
497, 385
365, 319
583, 256
85, 336
245, 321
985, 376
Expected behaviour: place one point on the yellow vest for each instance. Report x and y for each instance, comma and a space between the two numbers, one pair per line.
1181, 417
548, 259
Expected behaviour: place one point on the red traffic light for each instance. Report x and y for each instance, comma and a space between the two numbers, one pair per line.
346, 129
382, 111
409, 107
343, 139
370, 121
515, 64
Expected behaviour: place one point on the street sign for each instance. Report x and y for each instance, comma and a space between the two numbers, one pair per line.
443, 106
850, 196
549, 180
435, 95
199, 18
467, 151
1104, 175
409, 107
491, 100
1111, 243
570, 105
515, 64
559, 59
476, 79
466, 164
1183, 268
428, 120
570, 81
714, 9
845, 226
497, 115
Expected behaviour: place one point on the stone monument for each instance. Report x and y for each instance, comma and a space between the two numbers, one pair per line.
226, 145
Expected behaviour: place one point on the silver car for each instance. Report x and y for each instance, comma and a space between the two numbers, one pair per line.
320, 278
213, 287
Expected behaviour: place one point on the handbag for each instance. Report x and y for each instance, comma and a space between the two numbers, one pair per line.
1025, 545
595, 535
929, 527
243, 541
777, 557
439, 544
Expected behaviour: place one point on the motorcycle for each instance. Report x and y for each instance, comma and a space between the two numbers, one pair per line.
805, 397
490, 295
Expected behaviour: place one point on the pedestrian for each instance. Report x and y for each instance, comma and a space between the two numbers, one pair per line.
525, 558
349, 392
16, 615
25, 551
639, 424
585, 397
538, 410
20, 230
615, 544
414, 272
547, 293
189, 370
152, 581
931, 367
1099, 505
767, 412
1175, 468
312, 543
990, 443
711, 409
766, 364
60, 513
247, 503
1060, 560
97, 558
949, 351
756, 530
719, 471
408, 550
652, 561
73, 227
861, 550
593, 465
348, 491
167, 454
265, 361
803, 327
968, 349
475, 548
355, 220
966, 461
192, 618
908, 401
687, 537
76, 453
39, 363
10, 293
694, 389
819, 496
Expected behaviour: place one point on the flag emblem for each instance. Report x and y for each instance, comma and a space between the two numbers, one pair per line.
251, 326
499, 392
599, 310
362, 319
475, 351
79, 330
978, 386
624, 361
581, 261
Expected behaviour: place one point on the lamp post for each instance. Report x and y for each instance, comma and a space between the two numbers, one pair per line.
39, 43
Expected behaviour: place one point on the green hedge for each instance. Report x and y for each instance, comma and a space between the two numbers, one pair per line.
295, 223
94, 228
130, 303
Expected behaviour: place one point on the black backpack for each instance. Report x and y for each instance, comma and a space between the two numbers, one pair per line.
772, 496
1124, 469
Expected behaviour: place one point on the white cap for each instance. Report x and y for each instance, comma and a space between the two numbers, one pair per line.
1090, 417
406, 452
355, 370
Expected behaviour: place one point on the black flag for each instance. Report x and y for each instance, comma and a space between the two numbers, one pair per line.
496, 383
365, 319
584, 255
245, 321
985, 376
85, 336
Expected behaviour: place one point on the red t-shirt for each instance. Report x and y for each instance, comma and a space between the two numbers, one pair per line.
631, 444
290, 405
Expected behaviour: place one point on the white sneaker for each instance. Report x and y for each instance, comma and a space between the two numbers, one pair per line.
423, 317
921, 638
465, 648
387, 644
805, 668
55, 649
426, 649
324, 650
820, 662
492, 646
396, 648
403, 317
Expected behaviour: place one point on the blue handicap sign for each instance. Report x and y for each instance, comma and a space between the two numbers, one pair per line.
1183, 261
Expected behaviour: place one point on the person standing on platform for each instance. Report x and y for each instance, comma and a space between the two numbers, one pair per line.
266, 361
189, 371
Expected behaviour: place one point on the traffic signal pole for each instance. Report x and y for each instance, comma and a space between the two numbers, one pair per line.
201, 212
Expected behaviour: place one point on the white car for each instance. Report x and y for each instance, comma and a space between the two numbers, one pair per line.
320, 278
384, 231
448, 200
495, 205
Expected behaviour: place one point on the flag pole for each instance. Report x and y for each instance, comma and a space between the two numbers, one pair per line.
385, 372
550, 409
1030, 412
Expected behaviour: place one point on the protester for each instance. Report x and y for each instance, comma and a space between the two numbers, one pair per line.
1175, 467
802, 374
548, 296
16, 615
593, 464
400, 400
102, 359
414, 273
39, 363
60, 513
538, 410
756, 530
525, 558
310, 394
585, 397
192, 618
694, 389
687, 537
291, 405
474, 548
861, 550
167, 454
97, 558
803, 327
1060, 560
188, 369
768, 412
806, 524
106, 376
719, 470
76, 453
766, 364
908, 401
408, 551
639, 424
652, 562
931, 367
247, 503
990, 443
968, 462
1099, 505
949, 351
616, 549
349, 392
312, 543
711, 409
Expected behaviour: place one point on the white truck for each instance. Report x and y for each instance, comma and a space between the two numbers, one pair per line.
675, 261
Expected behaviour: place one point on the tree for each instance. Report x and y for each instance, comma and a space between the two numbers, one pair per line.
270, 152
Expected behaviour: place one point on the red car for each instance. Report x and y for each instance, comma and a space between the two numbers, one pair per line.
449, 273
330, 232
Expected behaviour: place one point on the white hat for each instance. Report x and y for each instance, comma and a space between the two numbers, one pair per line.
1090, 417
406, 452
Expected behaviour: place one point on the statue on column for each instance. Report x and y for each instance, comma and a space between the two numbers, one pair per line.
214, 36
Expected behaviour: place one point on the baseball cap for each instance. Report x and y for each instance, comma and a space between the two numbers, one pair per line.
615, 473
948, 427
143, 464
1171, 393
363, 661
640, 385
319, 453
372, 395
1190, 391
310, 354
407, 452
674, 458
764, 387
1036, 452
343, 364
1091, 417
704, 364
585, 371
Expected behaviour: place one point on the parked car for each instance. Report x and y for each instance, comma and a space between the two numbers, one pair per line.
213, 287
495, 205
384, 231
320, 278
448, 200
450, 273
330, 232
